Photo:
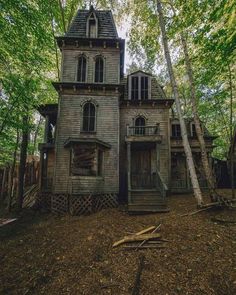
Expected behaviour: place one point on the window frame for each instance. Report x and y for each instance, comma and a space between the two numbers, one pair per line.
86, 68
103, 70
139, 76
193, 131
99, 167
175, 136
95, 118
139, 129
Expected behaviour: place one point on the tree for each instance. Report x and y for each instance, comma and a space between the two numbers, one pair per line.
187, 149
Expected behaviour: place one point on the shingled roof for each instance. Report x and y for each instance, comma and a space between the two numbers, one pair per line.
106, 25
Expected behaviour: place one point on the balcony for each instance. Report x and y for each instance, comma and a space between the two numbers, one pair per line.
143, 133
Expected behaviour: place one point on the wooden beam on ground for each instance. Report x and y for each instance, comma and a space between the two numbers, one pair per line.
135, 238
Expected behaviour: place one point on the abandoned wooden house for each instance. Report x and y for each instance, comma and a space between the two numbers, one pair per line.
111, 136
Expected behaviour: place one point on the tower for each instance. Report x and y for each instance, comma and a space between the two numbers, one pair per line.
87, 136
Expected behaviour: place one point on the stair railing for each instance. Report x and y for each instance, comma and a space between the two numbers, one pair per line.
161, 186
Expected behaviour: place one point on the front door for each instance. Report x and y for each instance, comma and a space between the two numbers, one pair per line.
141, 177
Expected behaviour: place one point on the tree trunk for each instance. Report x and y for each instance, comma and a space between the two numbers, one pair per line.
11, 191
36, 135
231, 134
3, 184
199, 130
187, 149
23, 156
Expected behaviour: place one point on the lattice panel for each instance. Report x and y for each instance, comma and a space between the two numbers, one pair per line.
106, 201
45, 200
59, 203
81, 205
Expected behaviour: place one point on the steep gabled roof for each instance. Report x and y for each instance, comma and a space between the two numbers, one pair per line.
106, 24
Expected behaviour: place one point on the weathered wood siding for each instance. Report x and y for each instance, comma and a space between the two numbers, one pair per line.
111, 63
107, 130
153, 116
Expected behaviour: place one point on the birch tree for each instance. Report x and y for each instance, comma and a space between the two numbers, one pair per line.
187, 148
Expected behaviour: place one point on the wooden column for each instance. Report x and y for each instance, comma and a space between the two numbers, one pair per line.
46, 130
157, 161
129, 170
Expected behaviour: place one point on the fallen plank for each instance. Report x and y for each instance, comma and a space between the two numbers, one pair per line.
197, 211
144, 231
143, 242
6, 221
157, 246
214, 219
136, 238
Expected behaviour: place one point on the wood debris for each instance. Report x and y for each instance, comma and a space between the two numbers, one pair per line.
145, 238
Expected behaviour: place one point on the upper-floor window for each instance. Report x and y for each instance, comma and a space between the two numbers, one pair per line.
99, 70
92, 26
89, 117
82, 67
140, 126
139, 87
176, 131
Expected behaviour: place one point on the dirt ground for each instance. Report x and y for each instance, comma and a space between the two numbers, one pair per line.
42, 253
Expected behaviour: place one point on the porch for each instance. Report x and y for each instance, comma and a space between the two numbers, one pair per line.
146, 189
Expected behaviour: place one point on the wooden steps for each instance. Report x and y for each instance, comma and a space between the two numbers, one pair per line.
147, 201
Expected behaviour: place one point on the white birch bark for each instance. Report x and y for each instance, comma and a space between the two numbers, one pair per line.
199, 130
187, 149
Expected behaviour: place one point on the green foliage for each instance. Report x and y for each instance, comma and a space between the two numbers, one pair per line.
209, 27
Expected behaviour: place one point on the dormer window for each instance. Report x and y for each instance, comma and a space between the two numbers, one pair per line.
99, 70
139, 87
81, 70
92, 27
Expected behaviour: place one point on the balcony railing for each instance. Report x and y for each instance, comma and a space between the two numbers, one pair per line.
143, 130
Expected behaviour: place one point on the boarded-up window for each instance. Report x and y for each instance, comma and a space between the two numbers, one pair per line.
81, 73
89, 116
86, 160
99, 70
139, 126
176, 131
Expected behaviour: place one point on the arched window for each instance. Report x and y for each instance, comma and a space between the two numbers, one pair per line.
139, 126
81, 71
89, 114
99, 69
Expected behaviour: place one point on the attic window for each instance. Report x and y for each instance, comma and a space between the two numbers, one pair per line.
92, 26
139, 87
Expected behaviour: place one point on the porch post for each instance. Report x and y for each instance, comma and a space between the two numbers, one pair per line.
129, 170
157, 164
46, 130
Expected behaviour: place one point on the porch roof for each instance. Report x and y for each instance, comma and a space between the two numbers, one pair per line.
73, 140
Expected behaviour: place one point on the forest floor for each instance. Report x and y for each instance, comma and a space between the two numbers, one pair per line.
41, 253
